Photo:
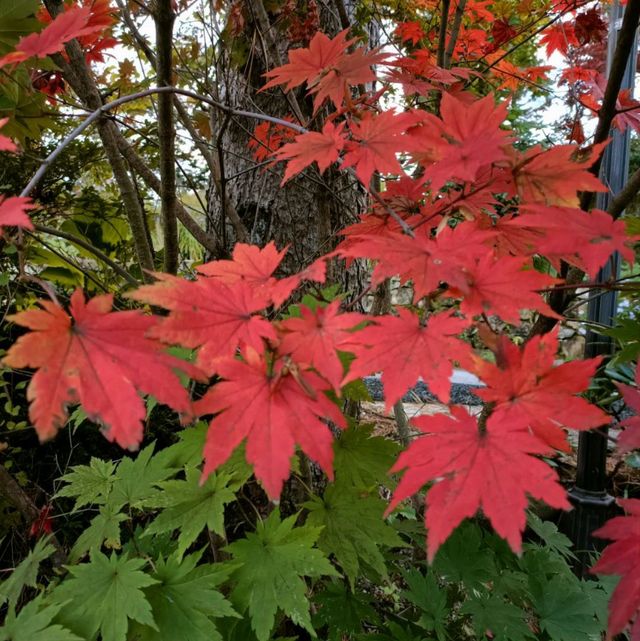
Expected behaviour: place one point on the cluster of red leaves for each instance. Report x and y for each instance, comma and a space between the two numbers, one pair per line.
267, 138
444, 227
86, 23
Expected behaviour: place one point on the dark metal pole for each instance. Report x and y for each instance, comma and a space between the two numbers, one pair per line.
589, 496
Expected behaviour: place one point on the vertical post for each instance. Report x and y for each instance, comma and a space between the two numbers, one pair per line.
589, 496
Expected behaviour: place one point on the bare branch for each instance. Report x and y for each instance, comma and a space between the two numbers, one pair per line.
81, 242
164, 19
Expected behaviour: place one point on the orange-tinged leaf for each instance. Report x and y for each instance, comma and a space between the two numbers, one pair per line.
307, 64
492, 469
255, 266
559, 36
274, 407
323, 148
553, 178
100, 359
425, 261
209, 315
69, 24
350, 70
250, 263
584, 239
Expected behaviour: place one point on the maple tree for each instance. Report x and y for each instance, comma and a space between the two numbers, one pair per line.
484, 230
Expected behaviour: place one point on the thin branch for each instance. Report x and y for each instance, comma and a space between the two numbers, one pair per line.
560, 299
212, 162
622, 199
607, 112
79, 76
77, 240
442, 36
139, 166
345, 23
100, 111
164, 19
455, 30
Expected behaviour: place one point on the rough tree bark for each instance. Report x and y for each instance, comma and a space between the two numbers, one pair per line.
309, 210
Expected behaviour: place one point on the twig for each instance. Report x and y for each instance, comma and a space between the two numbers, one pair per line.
164, 19
442, 36
81, 242
455, 30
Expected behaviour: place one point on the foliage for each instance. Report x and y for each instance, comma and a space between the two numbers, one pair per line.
280, 515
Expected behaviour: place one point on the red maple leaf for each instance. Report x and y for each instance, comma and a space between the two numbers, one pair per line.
425, 261
466, 138
590, 26
308, 64
250, 263
209, 315
559, 36
530, 392
622, 557
501, 287
553, 178
43, 523
70, 24
313, 339
274, 406
99, 359
376, 141
93, 39
255, 266
472, 468
404, 349
409, 32
350, 70
269, 137
585, 239
13, 212
501, 32
323, 148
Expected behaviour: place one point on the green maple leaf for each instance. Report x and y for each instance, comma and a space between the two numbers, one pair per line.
353, 528
192, 507
138, 479
35, 624
566, 610
342, 611
274, 561
363, 460
103, 529
89, 484
495, 618
26, 573
103, 595
465, 558
425, 593
188, 451
552, 538
184, 601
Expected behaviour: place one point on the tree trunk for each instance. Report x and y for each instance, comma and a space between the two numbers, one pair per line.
307, 212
